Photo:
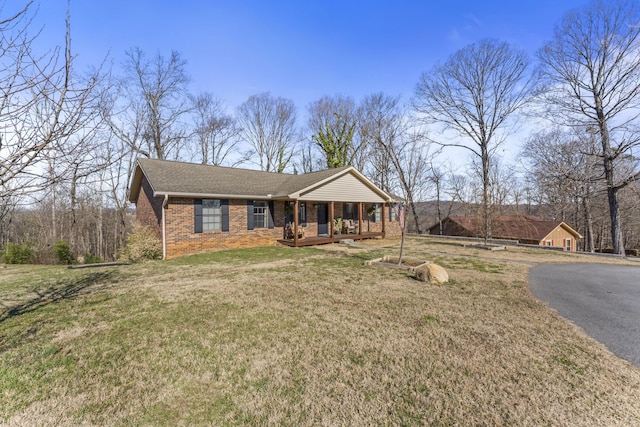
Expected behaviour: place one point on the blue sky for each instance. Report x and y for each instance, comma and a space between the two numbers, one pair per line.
299, 50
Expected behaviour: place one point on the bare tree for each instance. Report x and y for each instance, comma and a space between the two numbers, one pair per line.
308, 162
384, 125
567, 170
592, 70
333, 123
437, 177
215, 131
380, 121
151, 103
474, 94
269, 126
42, 103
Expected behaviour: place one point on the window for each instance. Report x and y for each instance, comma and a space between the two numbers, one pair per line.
549, 243
349, 211
211, 215
568, 244
392, 212
377, 212
302, 213
260, 214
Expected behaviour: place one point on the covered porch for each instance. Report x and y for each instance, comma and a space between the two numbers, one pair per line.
343, 206
315, 222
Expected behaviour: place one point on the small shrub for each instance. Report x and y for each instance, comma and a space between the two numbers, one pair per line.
143, 244
44, 256
92, 259
18, 254
62, 253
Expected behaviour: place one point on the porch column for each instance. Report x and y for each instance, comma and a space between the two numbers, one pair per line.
383, 219
295, 223
359, 218
331, 219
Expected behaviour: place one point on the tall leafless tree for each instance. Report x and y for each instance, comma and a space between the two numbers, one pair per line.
474, 94
43, 103
385, 126
268, 124
592, 71
567, 171
150, 105
214, 131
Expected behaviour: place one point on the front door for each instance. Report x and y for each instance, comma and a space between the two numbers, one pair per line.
323, 217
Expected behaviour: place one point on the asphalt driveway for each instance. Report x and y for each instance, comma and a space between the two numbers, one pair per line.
604, 300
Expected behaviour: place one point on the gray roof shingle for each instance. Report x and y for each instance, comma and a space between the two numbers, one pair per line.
179, 178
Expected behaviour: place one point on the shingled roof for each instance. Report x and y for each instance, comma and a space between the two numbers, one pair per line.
195, 180
514, 227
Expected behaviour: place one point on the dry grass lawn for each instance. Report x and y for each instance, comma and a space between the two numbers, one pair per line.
303, 337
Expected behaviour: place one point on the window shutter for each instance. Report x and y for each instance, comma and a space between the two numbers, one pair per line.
197, 215
344, 211
249, 214
224, 207
271, 209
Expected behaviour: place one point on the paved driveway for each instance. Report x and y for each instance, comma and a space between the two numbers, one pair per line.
604, 300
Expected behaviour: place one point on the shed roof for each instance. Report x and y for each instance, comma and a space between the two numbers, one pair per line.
195, 180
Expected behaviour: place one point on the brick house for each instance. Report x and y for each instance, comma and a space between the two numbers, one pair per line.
526, 229
199, 208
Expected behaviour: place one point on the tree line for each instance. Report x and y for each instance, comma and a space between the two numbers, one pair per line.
69, 139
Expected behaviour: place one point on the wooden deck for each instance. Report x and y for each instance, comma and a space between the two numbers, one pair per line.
319, 240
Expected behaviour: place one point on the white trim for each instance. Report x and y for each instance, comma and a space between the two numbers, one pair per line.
212, 196
383, 195
164, 227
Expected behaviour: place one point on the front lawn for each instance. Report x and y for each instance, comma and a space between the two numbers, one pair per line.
302, 337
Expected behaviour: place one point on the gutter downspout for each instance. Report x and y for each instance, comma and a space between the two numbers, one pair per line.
164, 227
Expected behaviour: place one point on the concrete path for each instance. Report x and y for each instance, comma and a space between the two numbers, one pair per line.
604, 300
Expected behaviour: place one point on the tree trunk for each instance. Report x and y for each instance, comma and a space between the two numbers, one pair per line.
588, 238
616, 223
415, 216
439, 211
485, 194
100, 237
612, 191
73, 201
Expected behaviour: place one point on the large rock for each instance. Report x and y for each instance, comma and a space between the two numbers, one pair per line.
432, 273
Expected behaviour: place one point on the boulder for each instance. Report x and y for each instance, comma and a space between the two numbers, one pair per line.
432, 273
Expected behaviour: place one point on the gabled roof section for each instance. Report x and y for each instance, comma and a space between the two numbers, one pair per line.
345, 184
181, 179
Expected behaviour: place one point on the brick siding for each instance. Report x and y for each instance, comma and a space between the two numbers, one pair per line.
149, 208
181, 238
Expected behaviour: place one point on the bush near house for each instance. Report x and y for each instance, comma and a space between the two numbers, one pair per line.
92, 259
143, 244
62, 253
18, 254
